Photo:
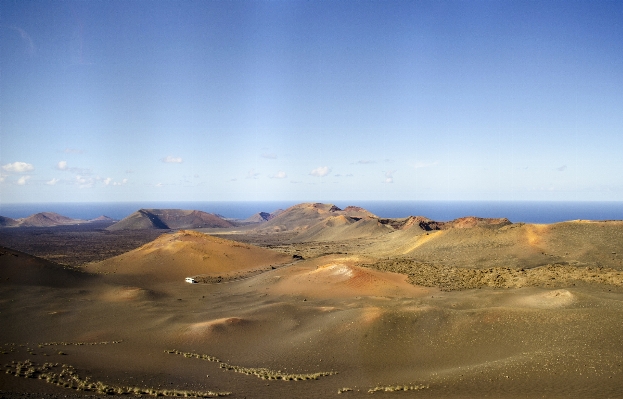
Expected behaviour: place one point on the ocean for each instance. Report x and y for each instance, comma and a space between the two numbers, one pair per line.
515, 211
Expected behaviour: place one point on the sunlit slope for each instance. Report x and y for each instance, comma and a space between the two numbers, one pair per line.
303, 216
187, 253
377, 330
578, 243
336, 276
340, 228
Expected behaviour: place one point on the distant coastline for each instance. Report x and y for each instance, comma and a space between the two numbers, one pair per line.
516, 211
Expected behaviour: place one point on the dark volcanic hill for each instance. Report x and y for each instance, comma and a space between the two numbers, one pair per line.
258, 218
169, 219
262, 217
7, 222
102, 218
47, 219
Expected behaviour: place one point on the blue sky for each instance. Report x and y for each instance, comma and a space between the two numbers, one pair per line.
311, 100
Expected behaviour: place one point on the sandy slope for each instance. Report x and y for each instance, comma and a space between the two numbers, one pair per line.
340, 228
577, 243
324, 315
172, 257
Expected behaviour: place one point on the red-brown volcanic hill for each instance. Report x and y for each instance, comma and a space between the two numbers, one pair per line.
427, 224
302, 216
172, 257
473, 221
169, 219
340, 228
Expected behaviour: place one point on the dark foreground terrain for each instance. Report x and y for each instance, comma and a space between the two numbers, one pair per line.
75, 245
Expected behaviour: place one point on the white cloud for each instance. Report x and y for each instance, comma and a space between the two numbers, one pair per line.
320, 171
109, 181
252, 174
52, 182
63, 166
170, 159
420, 164
84, 182
389, 176
18, 167
279, 175
159, 184
22, 180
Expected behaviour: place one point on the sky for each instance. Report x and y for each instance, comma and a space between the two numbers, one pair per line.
310, 100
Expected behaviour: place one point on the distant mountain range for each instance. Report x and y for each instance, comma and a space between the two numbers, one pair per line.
47, 219
311, 218
327, 222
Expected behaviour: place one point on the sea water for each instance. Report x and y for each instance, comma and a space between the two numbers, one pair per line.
515, 211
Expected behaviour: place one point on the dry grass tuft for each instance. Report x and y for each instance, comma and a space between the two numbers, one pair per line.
43, 344
69, 378
396, 388
449, 278
260, 372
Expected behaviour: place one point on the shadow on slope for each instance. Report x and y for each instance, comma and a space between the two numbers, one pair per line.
18, 268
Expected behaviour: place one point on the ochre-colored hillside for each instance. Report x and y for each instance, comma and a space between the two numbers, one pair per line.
185, 253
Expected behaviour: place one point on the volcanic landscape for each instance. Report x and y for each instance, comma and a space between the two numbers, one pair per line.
309, 302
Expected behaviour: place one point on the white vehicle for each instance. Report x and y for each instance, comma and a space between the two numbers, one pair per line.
191, 280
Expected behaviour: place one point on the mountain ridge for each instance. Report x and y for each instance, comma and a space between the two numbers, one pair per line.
169, 219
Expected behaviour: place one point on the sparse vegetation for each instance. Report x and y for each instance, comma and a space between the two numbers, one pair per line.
44, 344
396, 388
260, 372
67, 377
193, 355
449, 278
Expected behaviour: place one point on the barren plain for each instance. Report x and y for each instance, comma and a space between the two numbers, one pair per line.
316, 302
